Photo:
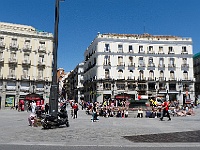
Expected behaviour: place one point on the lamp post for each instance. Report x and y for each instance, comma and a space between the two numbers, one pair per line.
53, 102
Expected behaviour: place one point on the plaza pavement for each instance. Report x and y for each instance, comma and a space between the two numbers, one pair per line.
14, 129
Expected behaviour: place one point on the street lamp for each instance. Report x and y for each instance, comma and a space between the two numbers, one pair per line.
53, 103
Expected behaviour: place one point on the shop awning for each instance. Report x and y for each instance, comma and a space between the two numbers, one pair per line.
122, 97
33, 97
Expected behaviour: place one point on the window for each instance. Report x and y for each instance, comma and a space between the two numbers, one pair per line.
172, 76
161, 62
130, 61
12, 56
120, 86
120, 74
106, 60
27, 44
40, 73
107, 48
131, 74
130, 48
25, 72
184, 49
41, 58
171, 60
151, 74
141, 61
1, 41
120, 61
185, 75
26, 57
107, 74
161, 74
141, 75
12, 71
42, 45
151, 61
160, 49
171, 50
107, 86
141, 50
184, 61
14, 42
120, 48
1, 55
150, 48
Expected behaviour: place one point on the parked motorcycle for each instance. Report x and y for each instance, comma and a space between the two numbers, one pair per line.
50, 121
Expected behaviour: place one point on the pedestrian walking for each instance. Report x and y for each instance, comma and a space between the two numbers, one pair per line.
75, 108
165, 107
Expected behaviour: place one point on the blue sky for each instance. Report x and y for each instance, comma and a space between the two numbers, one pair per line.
81, 20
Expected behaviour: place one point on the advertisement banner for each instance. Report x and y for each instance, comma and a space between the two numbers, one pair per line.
9, 101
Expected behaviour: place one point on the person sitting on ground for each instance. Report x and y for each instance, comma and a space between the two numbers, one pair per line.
32, 119
140, 113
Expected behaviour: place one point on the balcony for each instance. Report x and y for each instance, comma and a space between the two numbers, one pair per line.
150, 52
161, 79
171, 52
171, 67
141, 66
121, 65
185, 67
25, 77
184, 52
2, 45
26, 62
12, 61
41, 64
160, 52
14, 46
107, 65
151, 66
27, 48
131, 66
11, 76
42, 49
40, 78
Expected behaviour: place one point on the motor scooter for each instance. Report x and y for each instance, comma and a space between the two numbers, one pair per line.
50, 121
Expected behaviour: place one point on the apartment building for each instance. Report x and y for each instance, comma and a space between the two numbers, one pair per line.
197, 74
132, 66
74, 83
25, 63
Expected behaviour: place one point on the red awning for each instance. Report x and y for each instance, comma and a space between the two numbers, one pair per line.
33, 97
122, 97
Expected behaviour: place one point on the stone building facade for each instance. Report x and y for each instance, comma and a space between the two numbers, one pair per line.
132, 66
25, 63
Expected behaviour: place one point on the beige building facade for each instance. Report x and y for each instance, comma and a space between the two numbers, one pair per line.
25, 63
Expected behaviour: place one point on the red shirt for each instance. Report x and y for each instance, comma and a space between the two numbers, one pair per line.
166, 105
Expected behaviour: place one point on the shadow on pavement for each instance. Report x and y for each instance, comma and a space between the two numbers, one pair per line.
189, 136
